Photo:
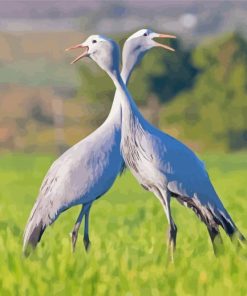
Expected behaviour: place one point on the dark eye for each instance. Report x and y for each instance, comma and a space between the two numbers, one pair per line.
145, 34
94, 41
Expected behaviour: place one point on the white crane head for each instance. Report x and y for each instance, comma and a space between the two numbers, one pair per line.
104, 51
138, 44
143, 40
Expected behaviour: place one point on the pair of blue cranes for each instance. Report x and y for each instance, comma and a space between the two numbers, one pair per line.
159, 162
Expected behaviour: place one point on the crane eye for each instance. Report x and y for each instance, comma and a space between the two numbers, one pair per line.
145, 34
94, 41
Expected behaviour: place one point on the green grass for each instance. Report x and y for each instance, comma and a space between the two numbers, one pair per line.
128, 235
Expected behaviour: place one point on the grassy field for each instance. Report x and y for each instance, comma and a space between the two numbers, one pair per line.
127, 231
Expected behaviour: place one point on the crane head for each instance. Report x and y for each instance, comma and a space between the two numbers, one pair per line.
144, 39
139, 43
102, 50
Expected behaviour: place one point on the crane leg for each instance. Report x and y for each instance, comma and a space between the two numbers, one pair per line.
74, 234
216, 239
164, 197
86, 240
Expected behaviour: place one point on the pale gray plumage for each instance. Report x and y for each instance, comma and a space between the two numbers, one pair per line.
87, 170
165, 166
160, 163
168, 168
81, 175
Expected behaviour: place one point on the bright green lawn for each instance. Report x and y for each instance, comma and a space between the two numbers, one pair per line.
127, 231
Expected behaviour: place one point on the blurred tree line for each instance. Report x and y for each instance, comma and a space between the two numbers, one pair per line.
198, 95
201, 92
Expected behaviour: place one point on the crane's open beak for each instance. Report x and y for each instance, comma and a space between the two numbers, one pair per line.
84, 53
163, 45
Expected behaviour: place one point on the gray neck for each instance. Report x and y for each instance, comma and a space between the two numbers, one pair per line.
115, 112
127, 71
129, 62
131, 56
123, 98
121, 94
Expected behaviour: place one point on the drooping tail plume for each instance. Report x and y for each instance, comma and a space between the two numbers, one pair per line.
34, 229
229, 226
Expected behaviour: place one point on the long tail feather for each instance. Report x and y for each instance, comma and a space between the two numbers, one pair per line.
230, 228
213, 216
34, 230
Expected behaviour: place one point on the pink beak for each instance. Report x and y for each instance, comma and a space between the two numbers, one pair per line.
84, 53
163, 45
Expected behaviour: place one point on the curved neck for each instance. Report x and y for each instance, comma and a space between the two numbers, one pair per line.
116, 105
130, 58
122, 95
126, 72
118, 82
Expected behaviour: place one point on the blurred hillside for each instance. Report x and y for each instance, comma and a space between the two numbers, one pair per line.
35, 74
37, 58
196, 94
214, 111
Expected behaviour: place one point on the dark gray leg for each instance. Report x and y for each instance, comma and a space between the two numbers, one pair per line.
172, 237
86, 240
164, 197
76, 228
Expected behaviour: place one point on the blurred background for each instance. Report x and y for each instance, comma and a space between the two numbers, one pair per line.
198, 94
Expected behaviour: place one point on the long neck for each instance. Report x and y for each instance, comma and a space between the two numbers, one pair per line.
122, 95
132, 54
121, 89
129, 63
116, 106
